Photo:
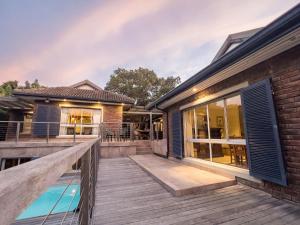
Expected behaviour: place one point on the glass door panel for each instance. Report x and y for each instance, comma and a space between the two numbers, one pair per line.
201, 122
235, 118
216, 120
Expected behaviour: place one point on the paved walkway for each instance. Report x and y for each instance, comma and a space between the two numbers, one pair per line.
128, 195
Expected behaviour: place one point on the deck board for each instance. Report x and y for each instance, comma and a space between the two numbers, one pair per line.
128, 195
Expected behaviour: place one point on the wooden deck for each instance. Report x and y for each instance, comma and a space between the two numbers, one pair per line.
128, 195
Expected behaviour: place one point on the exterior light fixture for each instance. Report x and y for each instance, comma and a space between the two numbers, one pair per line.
195, 89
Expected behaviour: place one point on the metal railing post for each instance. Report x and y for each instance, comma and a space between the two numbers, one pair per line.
47, 138
131, 131
18, 132
85, 188
74, 134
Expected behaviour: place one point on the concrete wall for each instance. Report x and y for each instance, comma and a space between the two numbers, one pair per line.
117, 149
12, 150
160, 147
284, 70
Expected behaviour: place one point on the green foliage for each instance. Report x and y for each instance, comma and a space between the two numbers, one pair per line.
35, 84
7, 87
141, 84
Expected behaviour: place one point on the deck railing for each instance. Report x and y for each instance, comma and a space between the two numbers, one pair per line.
22, 184
16, 131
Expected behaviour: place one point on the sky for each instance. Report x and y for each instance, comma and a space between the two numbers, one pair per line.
61, 42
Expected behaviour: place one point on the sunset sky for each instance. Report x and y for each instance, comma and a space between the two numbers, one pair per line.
61, 42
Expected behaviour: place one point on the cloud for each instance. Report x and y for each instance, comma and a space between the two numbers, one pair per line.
171, 37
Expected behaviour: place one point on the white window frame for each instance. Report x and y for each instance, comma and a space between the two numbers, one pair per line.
93, 125
208, 140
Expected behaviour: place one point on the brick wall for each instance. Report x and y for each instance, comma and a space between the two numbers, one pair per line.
112, 115
284, 70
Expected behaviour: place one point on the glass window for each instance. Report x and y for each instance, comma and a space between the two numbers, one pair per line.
87, 121
222, 125
189, 124
201, 151
235, 118
216, 120
234, 155
11, 163
201, 118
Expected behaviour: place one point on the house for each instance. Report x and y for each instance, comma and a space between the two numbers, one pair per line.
240, 114
83, 110
76, 109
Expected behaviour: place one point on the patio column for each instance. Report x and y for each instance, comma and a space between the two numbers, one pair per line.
151, 127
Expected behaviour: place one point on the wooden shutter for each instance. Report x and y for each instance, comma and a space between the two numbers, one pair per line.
263, 143
177, 134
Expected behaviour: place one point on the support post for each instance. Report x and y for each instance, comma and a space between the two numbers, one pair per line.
74, 134
131, 131
48, 127
84, 189
151, 127
18, 132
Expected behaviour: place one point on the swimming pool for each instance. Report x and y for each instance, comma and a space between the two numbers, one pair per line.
43, 205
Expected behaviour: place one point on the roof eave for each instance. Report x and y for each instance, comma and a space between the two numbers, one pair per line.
34, 96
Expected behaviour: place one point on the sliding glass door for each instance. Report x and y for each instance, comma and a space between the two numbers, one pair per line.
215, 132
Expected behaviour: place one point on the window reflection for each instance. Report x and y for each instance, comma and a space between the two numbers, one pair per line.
202, 126
216, 120
189, 124
235, 118
200, 150
234, 155
213, 118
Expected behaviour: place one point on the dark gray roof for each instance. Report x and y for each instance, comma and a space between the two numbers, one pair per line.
236, 38
75, 94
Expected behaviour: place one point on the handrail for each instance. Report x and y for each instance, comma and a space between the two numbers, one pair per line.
20, 185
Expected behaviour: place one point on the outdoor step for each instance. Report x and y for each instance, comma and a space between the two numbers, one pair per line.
143, 150
180, 179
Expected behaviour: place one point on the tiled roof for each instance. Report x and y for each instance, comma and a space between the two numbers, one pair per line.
75, 94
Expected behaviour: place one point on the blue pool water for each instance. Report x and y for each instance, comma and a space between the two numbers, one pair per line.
43, 205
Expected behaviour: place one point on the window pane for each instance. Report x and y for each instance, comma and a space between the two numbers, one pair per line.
235, 118
10, 163
87, 116
201, 118
201, 151
234, 155
24, 160
189, 124
216, 120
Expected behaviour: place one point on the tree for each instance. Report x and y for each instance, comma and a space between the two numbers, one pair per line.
141, 84
7, 87
27, 84
35, 84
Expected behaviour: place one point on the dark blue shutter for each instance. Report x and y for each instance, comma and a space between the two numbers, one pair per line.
46, 113
177, 134
54, 116
40, 115
263, 143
